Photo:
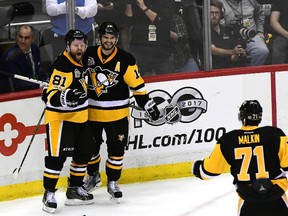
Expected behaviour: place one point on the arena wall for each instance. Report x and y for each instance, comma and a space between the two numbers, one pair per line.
197, 108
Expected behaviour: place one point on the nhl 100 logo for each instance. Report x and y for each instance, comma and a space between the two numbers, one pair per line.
186, 105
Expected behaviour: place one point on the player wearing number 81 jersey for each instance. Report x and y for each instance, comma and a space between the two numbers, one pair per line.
258, 161
66, 118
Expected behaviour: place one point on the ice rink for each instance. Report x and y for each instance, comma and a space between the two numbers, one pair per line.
172, 197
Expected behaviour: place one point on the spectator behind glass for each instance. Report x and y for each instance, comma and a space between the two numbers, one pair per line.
279, 23
150, 37
23, 59
226, 50
248, 14
85, 11
191, 14
183, 60
113, 10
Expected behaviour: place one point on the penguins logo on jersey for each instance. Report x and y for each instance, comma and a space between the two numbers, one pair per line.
121, 137
105, 79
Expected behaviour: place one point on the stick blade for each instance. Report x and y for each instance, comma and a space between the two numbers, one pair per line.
15, 173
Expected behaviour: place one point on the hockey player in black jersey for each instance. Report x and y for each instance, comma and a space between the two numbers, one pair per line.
258, 161
115, 75
66, 118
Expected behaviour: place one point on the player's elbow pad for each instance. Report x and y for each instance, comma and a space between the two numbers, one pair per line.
44, 95
54, 100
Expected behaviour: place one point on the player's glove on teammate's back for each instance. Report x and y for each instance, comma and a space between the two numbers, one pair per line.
196, 168
70, 98
152, 109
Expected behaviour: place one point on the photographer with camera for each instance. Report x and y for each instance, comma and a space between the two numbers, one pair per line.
226, 50
247, 15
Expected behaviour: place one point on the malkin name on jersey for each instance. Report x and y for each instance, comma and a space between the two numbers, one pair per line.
248, 139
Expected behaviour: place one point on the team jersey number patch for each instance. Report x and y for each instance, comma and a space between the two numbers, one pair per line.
247, 154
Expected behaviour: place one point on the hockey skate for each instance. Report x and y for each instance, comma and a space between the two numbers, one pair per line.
78, 196
49, 202
114, 190
91, 183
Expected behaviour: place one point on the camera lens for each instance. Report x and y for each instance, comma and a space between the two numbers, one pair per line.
247, 33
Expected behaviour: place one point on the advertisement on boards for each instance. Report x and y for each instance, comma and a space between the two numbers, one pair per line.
194, 114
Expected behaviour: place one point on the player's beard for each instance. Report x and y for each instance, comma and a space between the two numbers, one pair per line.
77, 57
109, 47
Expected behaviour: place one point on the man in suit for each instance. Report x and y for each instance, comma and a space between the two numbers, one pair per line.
23, 59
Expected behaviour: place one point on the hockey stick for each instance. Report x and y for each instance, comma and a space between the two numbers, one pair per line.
16, 171
16, 76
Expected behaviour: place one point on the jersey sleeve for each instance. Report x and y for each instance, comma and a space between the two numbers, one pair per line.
215, 164
136, 85
283, 153
134, 80
59, 81
132, 76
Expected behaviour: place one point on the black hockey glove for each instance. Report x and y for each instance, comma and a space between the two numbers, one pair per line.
152, 109
44, 95
70, 98
196, 168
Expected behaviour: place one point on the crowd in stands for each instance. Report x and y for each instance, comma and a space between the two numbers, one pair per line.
167, 36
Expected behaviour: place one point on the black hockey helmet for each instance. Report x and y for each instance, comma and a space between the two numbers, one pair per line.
73, 35
108, 28
250, 112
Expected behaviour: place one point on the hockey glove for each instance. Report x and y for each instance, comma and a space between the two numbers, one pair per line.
44, 95
70, 98
152, 109
196, 168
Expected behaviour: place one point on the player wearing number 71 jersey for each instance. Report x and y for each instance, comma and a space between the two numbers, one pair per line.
258, 161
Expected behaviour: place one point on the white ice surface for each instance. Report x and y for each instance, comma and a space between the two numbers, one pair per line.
173, 197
